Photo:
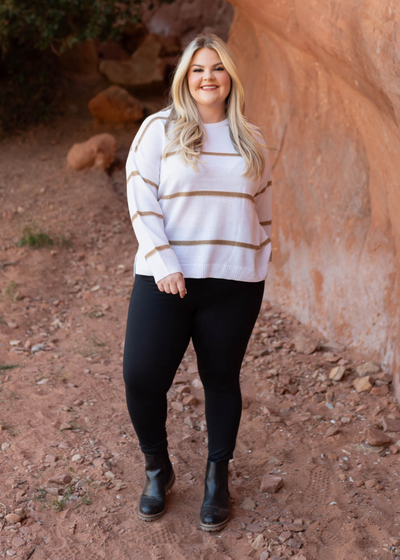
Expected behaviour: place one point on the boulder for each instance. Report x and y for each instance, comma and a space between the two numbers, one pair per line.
115, 105
98, 151
145, 68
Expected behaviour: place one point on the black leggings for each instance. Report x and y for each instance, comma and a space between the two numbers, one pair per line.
219, 315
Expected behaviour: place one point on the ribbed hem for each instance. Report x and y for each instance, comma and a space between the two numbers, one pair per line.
214, 271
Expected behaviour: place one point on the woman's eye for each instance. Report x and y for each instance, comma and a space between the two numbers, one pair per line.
200, 69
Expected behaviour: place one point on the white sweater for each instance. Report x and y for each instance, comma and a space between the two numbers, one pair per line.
210, 223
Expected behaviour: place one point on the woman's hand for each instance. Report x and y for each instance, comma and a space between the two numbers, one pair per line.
172, 284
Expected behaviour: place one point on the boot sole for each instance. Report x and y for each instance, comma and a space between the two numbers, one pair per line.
156, 516
216, 526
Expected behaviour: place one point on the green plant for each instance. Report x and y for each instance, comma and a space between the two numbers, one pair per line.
59, 505
11, 291
8, 366
34, 237
40, 494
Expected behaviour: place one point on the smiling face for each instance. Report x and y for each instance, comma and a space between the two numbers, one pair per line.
208, 80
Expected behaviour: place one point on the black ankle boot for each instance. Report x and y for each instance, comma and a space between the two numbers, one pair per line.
160, 478
216, 508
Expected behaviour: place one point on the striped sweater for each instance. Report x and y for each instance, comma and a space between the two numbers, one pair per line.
210, 223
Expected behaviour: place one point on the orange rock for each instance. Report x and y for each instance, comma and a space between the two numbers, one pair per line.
271, 483
376, 437
115, 105
98, 151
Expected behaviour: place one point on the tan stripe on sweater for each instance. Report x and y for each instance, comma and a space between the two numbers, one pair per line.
222, 242
264, 189
149, 213
209, 193
146, 127
209, 153
136, 173
159, 248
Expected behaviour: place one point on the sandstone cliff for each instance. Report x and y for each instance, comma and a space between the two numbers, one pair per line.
324, 81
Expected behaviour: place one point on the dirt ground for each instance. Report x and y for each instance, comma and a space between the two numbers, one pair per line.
71, 470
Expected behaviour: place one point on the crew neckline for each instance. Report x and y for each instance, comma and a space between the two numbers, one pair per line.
217, 124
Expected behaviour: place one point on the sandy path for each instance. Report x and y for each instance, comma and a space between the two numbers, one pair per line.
62, 405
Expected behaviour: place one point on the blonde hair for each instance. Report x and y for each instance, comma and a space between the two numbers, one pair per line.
184, 124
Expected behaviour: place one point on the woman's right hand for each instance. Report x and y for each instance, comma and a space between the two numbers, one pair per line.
172, 284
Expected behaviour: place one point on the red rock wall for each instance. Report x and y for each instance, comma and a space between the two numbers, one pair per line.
323, 78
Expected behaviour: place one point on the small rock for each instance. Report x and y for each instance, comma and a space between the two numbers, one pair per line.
178, 406
393, 449
271, 483
382, 391
76, 458
110, 475
330, 357
190, 421
384, 377
255, 528
362, 384
190, 400
264, 555
274, 461
51, 459
305, 344
196, 383
294, 543
332, 431
5, 445
13, 518
183, 389
390, 424
367, 368
371, 483
11, 552
12, 324
61, 479
17, 542
258, 542
376, 437
337, 373
248, 504
283, 537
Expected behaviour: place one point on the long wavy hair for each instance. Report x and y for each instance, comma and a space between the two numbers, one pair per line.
184, 125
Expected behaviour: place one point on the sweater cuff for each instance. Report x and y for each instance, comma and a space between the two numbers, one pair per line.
163, 263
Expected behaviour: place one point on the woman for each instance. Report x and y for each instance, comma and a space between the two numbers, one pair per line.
198, 187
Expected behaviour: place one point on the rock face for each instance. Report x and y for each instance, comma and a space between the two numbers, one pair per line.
115, 105
324, 85
98, 151
186, 19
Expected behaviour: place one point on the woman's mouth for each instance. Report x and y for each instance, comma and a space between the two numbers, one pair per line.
206, 88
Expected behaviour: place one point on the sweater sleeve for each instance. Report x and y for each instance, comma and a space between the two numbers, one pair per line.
263, 199
143, 176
